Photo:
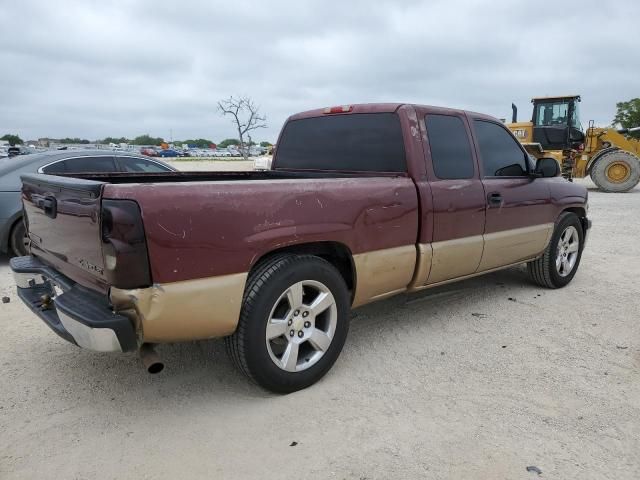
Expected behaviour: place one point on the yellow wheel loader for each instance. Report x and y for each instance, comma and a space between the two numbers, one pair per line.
610, 156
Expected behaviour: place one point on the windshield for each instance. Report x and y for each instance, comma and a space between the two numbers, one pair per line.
556, 113
552, 113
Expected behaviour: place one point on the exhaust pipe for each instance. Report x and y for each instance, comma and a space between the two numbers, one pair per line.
628, 130
514, 113
150, 359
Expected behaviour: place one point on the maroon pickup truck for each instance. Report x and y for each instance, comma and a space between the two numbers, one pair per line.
362, 202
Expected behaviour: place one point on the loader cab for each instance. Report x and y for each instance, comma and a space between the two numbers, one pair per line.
556, 122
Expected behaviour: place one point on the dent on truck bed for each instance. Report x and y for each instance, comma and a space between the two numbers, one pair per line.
185, 310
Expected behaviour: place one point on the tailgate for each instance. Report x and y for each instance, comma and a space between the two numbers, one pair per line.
62, 215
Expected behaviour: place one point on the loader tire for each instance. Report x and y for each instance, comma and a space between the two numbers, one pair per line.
617, 171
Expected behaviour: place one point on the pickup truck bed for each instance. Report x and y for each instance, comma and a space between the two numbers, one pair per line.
363, 202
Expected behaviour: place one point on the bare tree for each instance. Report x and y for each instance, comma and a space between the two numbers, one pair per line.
246, 117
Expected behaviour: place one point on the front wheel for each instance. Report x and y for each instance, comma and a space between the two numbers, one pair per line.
293, 324
559, 263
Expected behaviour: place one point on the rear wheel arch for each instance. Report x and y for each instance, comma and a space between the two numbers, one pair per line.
336, 253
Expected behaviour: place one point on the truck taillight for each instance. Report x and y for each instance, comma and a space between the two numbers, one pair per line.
124, 247
340, 109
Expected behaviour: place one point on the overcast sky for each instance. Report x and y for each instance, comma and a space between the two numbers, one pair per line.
127, 67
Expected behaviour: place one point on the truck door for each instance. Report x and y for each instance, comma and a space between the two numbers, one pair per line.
519, 214
457, 196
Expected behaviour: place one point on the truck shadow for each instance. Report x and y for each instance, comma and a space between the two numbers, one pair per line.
200, 372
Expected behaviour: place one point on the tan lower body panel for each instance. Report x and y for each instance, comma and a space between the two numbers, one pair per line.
455, 258
512, 246
382, 273
182, 311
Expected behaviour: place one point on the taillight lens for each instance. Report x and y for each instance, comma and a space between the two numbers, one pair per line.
124, 247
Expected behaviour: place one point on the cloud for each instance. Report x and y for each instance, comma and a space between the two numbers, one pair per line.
122, 68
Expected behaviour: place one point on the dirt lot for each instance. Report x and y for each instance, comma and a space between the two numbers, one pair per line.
476, 380
222, 165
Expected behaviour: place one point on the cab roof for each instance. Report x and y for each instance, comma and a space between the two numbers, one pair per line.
557, 97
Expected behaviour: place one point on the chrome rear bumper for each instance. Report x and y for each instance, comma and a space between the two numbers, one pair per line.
79, 315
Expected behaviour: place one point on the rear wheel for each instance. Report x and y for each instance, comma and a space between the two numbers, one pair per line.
293, 323
617, 171
559, 263
18, 240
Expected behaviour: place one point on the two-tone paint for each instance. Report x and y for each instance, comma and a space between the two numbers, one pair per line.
398, 232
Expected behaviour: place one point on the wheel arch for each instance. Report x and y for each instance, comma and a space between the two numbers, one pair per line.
337, 254
11, 223
581, 213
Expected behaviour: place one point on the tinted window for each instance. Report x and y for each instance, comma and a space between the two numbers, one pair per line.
501, 154
361, 142
58, 167
131, 164
86, 164
450, 149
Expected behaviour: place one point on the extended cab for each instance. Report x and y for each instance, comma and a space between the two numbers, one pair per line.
362, 202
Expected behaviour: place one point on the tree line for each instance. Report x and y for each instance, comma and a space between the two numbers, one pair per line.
246, 117
139, 140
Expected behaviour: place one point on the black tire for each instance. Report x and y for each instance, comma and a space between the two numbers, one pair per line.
247, 347
543, 270
17, 244
602, 165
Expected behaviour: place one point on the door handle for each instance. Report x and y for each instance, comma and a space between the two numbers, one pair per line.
494, 199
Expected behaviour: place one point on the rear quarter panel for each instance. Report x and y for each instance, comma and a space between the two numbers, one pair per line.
207, 229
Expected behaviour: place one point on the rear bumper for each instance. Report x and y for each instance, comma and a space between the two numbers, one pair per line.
79, 315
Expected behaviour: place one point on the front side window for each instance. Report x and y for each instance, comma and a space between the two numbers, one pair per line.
90, 165
501, 154
352, 142
58, 167
449, 145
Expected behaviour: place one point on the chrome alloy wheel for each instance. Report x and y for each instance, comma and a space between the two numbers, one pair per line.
567, 251
301, 326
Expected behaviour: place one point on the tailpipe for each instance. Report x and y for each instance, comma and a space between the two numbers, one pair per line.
514, 113
150, 358
628, 130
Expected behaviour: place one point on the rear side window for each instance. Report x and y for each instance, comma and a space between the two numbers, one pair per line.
131, 164
501, 155
357, 142
450, 148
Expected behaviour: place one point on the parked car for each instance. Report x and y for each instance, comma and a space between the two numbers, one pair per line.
363, 202
12, 230
262, 163
149, 152
168, 153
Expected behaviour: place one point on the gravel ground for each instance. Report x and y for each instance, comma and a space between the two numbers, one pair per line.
220, 165
477, 380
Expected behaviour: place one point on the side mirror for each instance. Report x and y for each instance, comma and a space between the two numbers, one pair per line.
547, 167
